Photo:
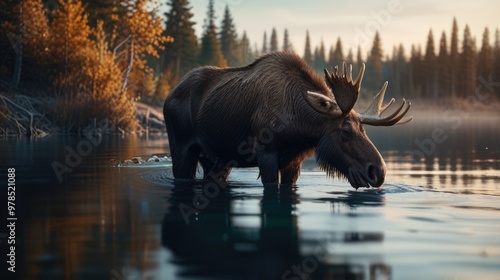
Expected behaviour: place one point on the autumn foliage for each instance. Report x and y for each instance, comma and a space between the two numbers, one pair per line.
92, 74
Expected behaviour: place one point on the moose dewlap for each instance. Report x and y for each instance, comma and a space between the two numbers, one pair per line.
273, 114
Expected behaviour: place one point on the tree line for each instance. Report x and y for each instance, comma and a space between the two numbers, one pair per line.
452, 69
219, 48
96, 57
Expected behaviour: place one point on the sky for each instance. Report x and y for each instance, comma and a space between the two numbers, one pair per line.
355, 22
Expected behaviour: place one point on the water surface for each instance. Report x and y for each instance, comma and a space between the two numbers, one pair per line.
436, 217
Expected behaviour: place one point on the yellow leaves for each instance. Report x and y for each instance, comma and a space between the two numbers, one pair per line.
146, 31
70, 30
90, 79
97, 88
34, 28
169, 39
81, 61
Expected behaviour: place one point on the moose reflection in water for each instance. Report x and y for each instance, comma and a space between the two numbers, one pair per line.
227, 240
273, 114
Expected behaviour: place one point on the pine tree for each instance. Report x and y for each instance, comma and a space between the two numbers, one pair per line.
454, 59
467, 65
308, 57
443, 66
287, 45
264, 44
331, 54
274, 41
484, 60
430, 70
316, 59
359, 58
180, 55
402, 69
416, 72
394, 75
350, 57
375, 64
397, 71
210, 53
256, 51
319, 57
229, 40
338, 55
496, 61
322, 55
246, 50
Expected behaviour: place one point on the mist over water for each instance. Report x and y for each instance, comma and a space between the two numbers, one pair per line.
436, 217
443, 151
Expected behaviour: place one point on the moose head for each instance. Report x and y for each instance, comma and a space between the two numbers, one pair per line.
345, 149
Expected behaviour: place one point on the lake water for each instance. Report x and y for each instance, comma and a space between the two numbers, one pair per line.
436, 217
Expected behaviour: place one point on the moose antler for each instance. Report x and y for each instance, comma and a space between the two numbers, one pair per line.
372, 115
345, 90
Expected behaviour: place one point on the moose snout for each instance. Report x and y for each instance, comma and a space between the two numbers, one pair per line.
375, 174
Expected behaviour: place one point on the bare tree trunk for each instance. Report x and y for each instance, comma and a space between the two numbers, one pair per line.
129, 67
18, 63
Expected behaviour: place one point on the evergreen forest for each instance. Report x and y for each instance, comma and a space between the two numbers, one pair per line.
65, 64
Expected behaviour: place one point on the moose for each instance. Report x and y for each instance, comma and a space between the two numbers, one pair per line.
273, 114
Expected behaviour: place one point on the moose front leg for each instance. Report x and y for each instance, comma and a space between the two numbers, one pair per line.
290, 174
291, 162
268, 168
185, 161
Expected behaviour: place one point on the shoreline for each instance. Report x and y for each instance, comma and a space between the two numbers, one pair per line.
24, 116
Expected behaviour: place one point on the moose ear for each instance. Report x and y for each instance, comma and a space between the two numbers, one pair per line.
322, 104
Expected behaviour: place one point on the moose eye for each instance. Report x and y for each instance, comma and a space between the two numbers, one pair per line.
346, 133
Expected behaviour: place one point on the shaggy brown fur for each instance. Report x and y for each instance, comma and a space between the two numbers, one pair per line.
256, 115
